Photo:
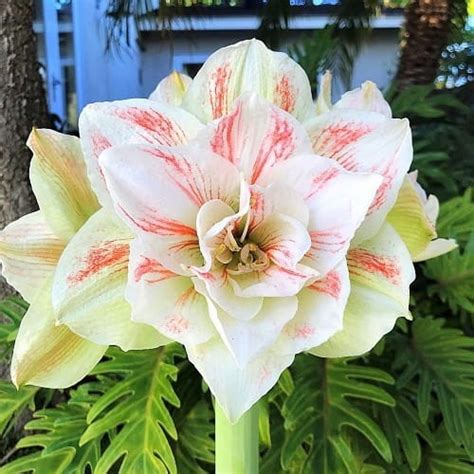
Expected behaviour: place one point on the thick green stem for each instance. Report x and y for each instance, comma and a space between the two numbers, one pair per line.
237, 444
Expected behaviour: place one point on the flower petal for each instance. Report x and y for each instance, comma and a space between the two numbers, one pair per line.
284, 239
220, 288
89, 286
248, 66
171, 89
255, 136
323, 101
166, 300
337, 200
29, 252
213, 220
320, 312
367, 98
48, 355
414, 216
158, 191
409, 219
107, 124
275, 281
236, 388
380, 272
366, 142
436, 248
276, 198
247, 339
59, 180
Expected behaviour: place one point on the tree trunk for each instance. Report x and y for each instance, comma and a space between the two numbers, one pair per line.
22, 106
426, 34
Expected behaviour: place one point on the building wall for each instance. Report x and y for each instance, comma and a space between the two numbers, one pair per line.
101, 75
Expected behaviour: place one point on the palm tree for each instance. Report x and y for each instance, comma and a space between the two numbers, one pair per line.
22, 106
427, 32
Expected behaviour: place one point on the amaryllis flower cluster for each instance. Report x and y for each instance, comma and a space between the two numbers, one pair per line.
229, 213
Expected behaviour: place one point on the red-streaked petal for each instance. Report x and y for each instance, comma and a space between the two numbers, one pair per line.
158, 191
248, 66
338, 202
165, 300
366, 142
284, 239
380, 271
320, 312
218, 286
88, 292
255, 136
275, 281
276, 198
106, 124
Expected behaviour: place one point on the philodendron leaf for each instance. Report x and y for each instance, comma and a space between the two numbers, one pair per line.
13, 402
194, 421
404, 430
324, 404
442, 360
56, 462
55, 433
444, 457
136, 410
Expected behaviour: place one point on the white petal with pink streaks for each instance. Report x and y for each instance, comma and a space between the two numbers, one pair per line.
106, 124
338, 202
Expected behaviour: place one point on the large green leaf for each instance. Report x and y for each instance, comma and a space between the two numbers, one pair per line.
56, 432
136, 410
194, 420
324, 404
456, 217
441, 359
55, 462
444, 457
12, 403
405, 432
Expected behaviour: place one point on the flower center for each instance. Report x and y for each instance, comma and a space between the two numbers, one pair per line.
241, 257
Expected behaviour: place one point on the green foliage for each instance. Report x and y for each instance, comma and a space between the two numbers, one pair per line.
316, 53
134, 408
12, 310
441, 359
421, 101
444, 457
12, 403
453, 276
194, 421
323, 405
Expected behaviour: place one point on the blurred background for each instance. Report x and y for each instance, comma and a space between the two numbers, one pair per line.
95, 50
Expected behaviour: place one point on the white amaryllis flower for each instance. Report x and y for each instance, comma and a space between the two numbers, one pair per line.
243, 233
254, 225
